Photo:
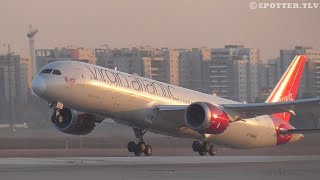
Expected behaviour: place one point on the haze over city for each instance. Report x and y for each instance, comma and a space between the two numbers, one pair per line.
167, 23
167, 89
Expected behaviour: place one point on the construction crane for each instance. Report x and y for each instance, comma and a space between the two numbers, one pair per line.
32, 32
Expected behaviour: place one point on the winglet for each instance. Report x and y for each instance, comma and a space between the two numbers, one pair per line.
287, 87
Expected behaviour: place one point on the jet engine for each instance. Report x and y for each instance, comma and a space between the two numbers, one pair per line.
206, 118
73, 122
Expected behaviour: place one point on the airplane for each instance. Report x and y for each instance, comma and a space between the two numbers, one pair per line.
83, 95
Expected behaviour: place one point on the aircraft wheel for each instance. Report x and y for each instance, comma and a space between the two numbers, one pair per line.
137, 152
202, 152
148, 150
141, 146
196, 146
213, 150
132, 146
206, 146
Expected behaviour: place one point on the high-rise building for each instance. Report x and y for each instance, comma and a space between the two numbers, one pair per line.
46, 56
233, 72
205, 55
272, 73
128, 60
124, 59
312, 78
159, 64
83, 55
154, 68
154, 65
104, 58
25, 79
194, 68
185, 63
287, 55
13, 79
171, 59
268, 74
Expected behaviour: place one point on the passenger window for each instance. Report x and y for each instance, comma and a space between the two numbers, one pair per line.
56, 72
46, 71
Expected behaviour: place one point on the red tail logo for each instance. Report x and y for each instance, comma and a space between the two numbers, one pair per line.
287, 87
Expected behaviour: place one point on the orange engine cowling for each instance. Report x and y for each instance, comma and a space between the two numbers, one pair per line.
206, 118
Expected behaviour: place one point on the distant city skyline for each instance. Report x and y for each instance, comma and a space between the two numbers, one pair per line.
165, 23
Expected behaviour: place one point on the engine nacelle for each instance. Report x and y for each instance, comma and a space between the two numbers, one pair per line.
73, 122
206, 118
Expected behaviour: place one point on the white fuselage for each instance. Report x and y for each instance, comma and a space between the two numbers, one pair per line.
130, 100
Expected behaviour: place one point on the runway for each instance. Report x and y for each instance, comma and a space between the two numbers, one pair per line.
181, 167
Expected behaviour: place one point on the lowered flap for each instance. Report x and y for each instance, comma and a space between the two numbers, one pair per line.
171, 107
173, 114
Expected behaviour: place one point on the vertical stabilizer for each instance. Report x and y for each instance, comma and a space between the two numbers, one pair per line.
287, 87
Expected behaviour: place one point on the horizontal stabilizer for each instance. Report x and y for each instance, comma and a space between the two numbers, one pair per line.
299, 131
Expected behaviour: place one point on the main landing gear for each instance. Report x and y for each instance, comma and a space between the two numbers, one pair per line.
204, 148
141, 146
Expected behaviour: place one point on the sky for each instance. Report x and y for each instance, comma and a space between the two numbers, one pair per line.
158, 23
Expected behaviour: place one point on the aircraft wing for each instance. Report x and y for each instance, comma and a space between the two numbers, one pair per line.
259, 109
249, 110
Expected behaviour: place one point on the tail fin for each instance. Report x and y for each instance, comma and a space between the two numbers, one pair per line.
287, 87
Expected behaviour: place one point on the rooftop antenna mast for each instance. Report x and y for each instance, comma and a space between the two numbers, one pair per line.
32, 32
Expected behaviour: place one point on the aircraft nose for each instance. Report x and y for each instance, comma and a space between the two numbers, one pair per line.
39, 85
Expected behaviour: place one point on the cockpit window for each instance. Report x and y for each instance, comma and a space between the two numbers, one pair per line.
46, 71
56, 72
